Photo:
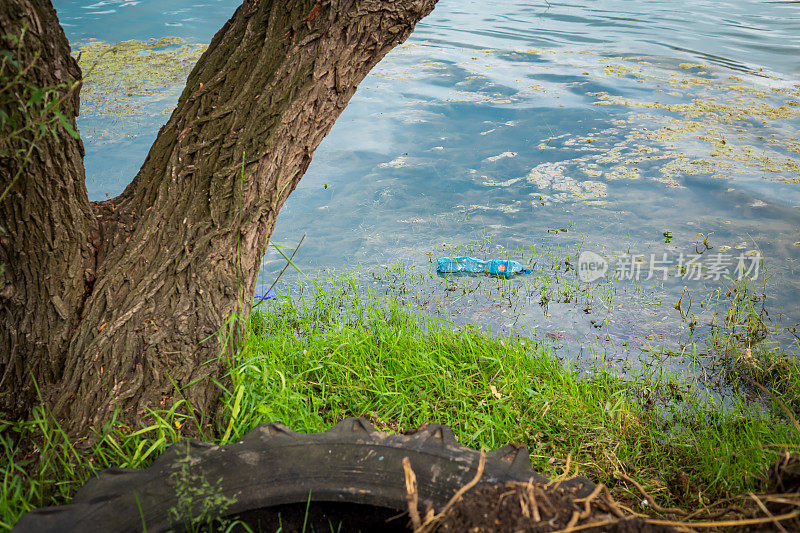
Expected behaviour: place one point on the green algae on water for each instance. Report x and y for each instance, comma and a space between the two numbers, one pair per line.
729, 128
127, 78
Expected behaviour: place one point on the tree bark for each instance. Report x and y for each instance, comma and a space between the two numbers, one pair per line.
49, 233
124, 304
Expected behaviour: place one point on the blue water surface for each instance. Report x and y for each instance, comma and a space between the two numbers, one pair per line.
505, 123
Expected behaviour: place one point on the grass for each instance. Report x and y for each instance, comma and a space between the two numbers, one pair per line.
40, 465
335, 354
317, 356
741, 344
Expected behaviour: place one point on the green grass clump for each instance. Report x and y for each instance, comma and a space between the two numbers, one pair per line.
41, 465
312, 359
743, 344
770, 367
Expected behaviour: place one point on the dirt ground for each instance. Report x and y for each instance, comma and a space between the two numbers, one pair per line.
516, 507
532, 507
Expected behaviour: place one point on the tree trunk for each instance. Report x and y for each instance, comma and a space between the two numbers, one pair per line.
120, 304
49, 233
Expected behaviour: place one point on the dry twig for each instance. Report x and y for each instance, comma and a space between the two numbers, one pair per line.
725, 523
766, 512
411, 493
652, 501
430, 519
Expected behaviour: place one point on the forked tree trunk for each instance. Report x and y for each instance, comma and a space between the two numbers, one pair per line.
118, 304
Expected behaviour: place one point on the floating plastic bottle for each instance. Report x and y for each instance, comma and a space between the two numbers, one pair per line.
263, 293
471, 266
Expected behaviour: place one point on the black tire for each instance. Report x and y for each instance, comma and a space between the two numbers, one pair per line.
350, 463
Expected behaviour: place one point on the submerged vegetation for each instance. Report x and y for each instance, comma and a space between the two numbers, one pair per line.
315, 356
741, 346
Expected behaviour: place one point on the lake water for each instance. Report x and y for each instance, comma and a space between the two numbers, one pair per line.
523, 129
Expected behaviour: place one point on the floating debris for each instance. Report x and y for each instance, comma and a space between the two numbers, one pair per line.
500, 156
397, 162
